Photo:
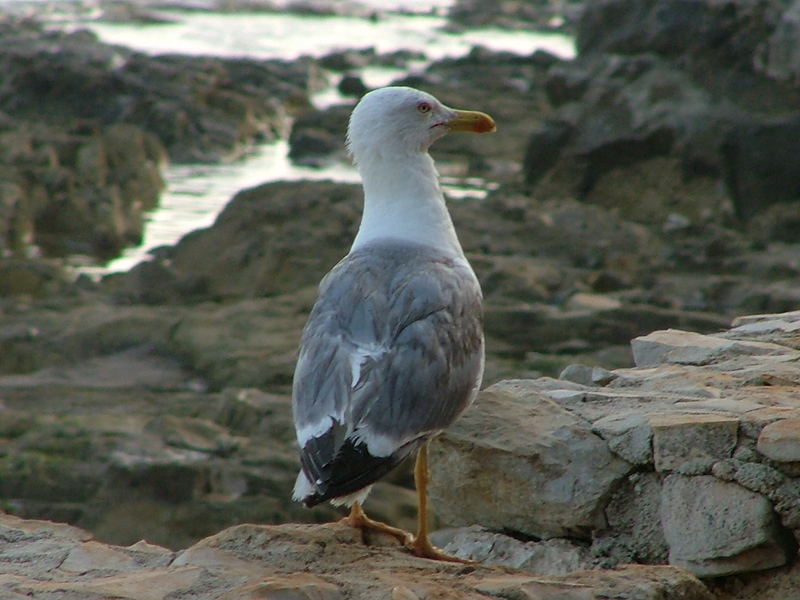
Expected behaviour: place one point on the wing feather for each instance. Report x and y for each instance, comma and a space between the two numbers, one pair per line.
392, 353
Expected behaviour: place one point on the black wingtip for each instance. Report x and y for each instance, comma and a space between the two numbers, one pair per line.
312, 500
352, 469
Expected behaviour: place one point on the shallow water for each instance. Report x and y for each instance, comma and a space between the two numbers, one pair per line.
196, 193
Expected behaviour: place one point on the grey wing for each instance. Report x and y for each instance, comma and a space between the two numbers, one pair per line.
383, 366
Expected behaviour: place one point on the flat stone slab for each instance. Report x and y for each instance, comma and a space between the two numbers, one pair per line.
320, 562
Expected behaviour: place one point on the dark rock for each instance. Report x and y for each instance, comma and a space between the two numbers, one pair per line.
347, 60
544, 149
667, 102
201, 108
318, 135
257, 246
517, 14
352, 85
782, 60
31, 278
760, 165
706, 31
778, 223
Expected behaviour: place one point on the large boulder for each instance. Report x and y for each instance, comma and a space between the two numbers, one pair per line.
271, 239
519, 462
659, 113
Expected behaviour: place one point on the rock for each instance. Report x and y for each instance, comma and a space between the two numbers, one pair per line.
200, 108
547, 557
31, 278
634, 532
289, 561
586, 375
759, 165
513, 15
780, 441
692, 441
267, 249
352, 85
517, 461
691, 348
782, 49
89, 126
244, 344
715, 528
629, 435
318, 136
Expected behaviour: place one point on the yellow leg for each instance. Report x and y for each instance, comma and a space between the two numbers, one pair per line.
358, 519
421, 546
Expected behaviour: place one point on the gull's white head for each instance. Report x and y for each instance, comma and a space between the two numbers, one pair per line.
394, 121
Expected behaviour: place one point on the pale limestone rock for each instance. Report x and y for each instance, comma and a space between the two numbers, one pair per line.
546, 557
680, 438
780, 441
717, 528
518, 461
291, 561
91, 556
586, 375
629, 436
685, 347
787, 317
634, 532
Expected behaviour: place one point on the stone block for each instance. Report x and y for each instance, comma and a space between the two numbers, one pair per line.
518, 461
780, 441
684, 438
716, 528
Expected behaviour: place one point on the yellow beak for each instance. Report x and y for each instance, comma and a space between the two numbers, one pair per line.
471, 121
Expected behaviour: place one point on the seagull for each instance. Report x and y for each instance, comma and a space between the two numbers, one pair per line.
393, 349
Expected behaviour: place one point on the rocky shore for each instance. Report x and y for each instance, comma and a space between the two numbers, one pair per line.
584, 486
645, 191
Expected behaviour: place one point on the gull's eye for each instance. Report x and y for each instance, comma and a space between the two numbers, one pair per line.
424, 107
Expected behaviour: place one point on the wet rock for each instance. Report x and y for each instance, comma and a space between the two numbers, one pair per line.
75, 191
317, 136
702, 515
267, 249
31, 278
88, 127
200, 108
352, 85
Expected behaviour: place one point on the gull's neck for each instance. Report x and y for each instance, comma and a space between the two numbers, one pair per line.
403, 201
